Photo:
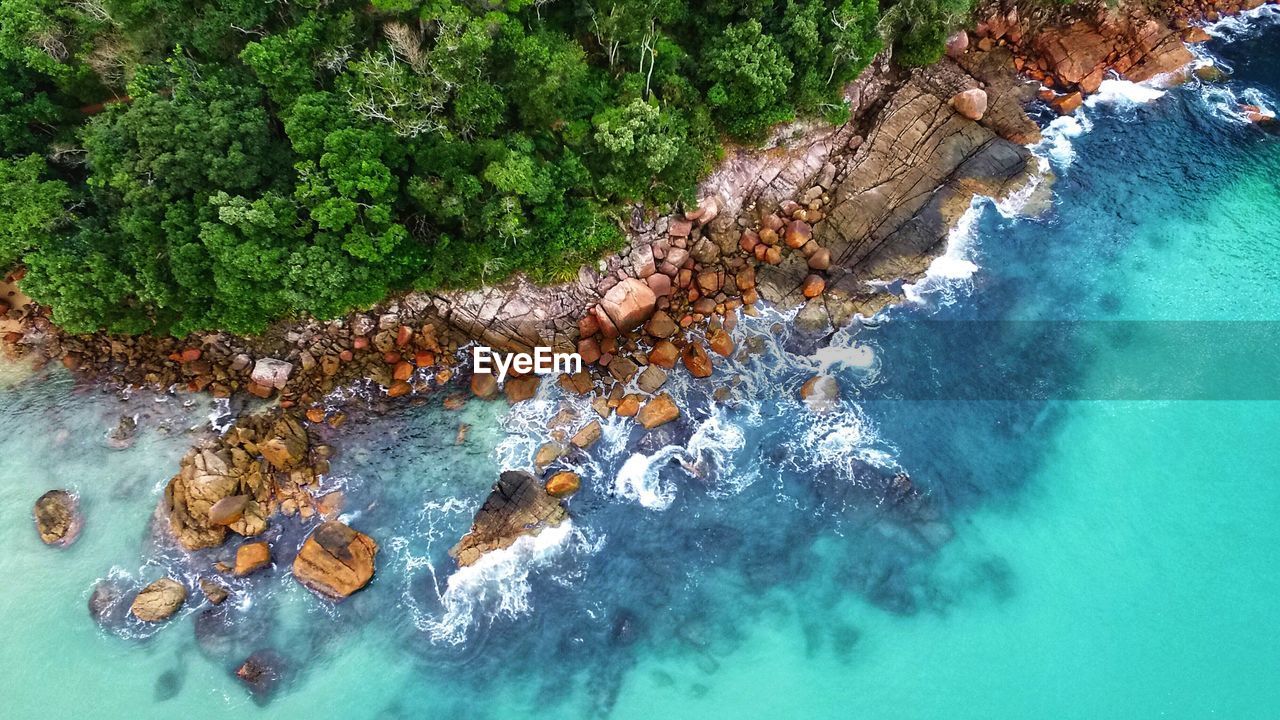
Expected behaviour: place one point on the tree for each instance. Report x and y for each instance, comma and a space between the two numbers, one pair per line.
922, 26
748, 73
30, 207
637, 143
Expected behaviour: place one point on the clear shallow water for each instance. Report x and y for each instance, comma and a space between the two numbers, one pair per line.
1077, 559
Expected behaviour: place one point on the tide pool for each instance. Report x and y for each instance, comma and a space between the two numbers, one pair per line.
1004, 556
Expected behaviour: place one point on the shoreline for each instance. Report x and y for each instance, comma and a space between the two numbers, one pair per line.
409, 346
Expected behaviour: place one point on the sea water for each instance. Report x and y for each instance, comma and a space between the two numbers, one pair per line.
1003, 517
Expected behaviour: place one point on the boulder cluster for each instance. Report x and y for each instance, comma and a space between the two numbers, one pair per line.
1071, 54
402, 346
674, 305
263, 465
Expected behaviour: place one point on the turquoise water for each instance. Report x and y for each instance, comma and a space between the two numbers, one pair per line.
1105, 557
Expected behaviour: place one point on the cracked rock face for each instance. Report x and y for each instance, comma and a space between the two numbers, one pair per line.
336, 560
901, 194
518, 505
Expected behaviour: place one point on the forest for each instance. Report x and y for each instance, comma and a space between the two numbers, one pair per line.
172, 166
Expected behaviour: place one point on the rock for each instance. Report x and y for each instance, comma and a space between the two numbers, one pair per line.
335, 561
588, 435
521, 388
547, 454
563, 484
121, 436
813, 286
589, 350
720, 342
622, 369
628, 406
484, 386
664, 354
209, 475
651, 379
251, 556
1067, 104
286, 445
696, 360
228, 510
57, 516
1256, 114
214, 591
399, 388
957, 44
661, 325
658, 411
262, 672
820, 259
518, 505
159, 600
797, 234
1073, 51
660, 284
270, 372
707, 210
820, 393
971, 104
629, 303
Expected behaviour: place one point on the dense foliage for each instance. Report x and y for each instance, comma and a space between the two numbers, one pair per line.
178, 165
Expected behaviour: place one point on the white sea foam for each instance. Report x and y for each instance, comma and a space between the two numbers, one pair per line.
954, 269
1056, 145
638, 478
830, 441
1236, 27
856, 356
707, 457
1124, 94
497, 585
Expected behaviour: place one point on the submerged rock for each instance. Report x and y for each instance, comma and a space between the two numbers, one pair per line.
518, 505
262, 672
105, 606
121, 436
214, 591
336, 560
820, 393
57, 516
159, 600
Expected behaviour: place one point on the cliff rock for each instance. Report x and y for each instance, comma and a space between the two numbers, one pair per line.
518, 505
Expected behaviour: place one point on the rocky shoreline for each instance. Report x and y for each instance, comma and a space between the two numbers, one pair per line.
818, 221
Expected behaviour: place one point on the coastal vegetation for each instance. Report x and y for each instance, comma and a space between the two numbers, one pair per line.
180, 165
